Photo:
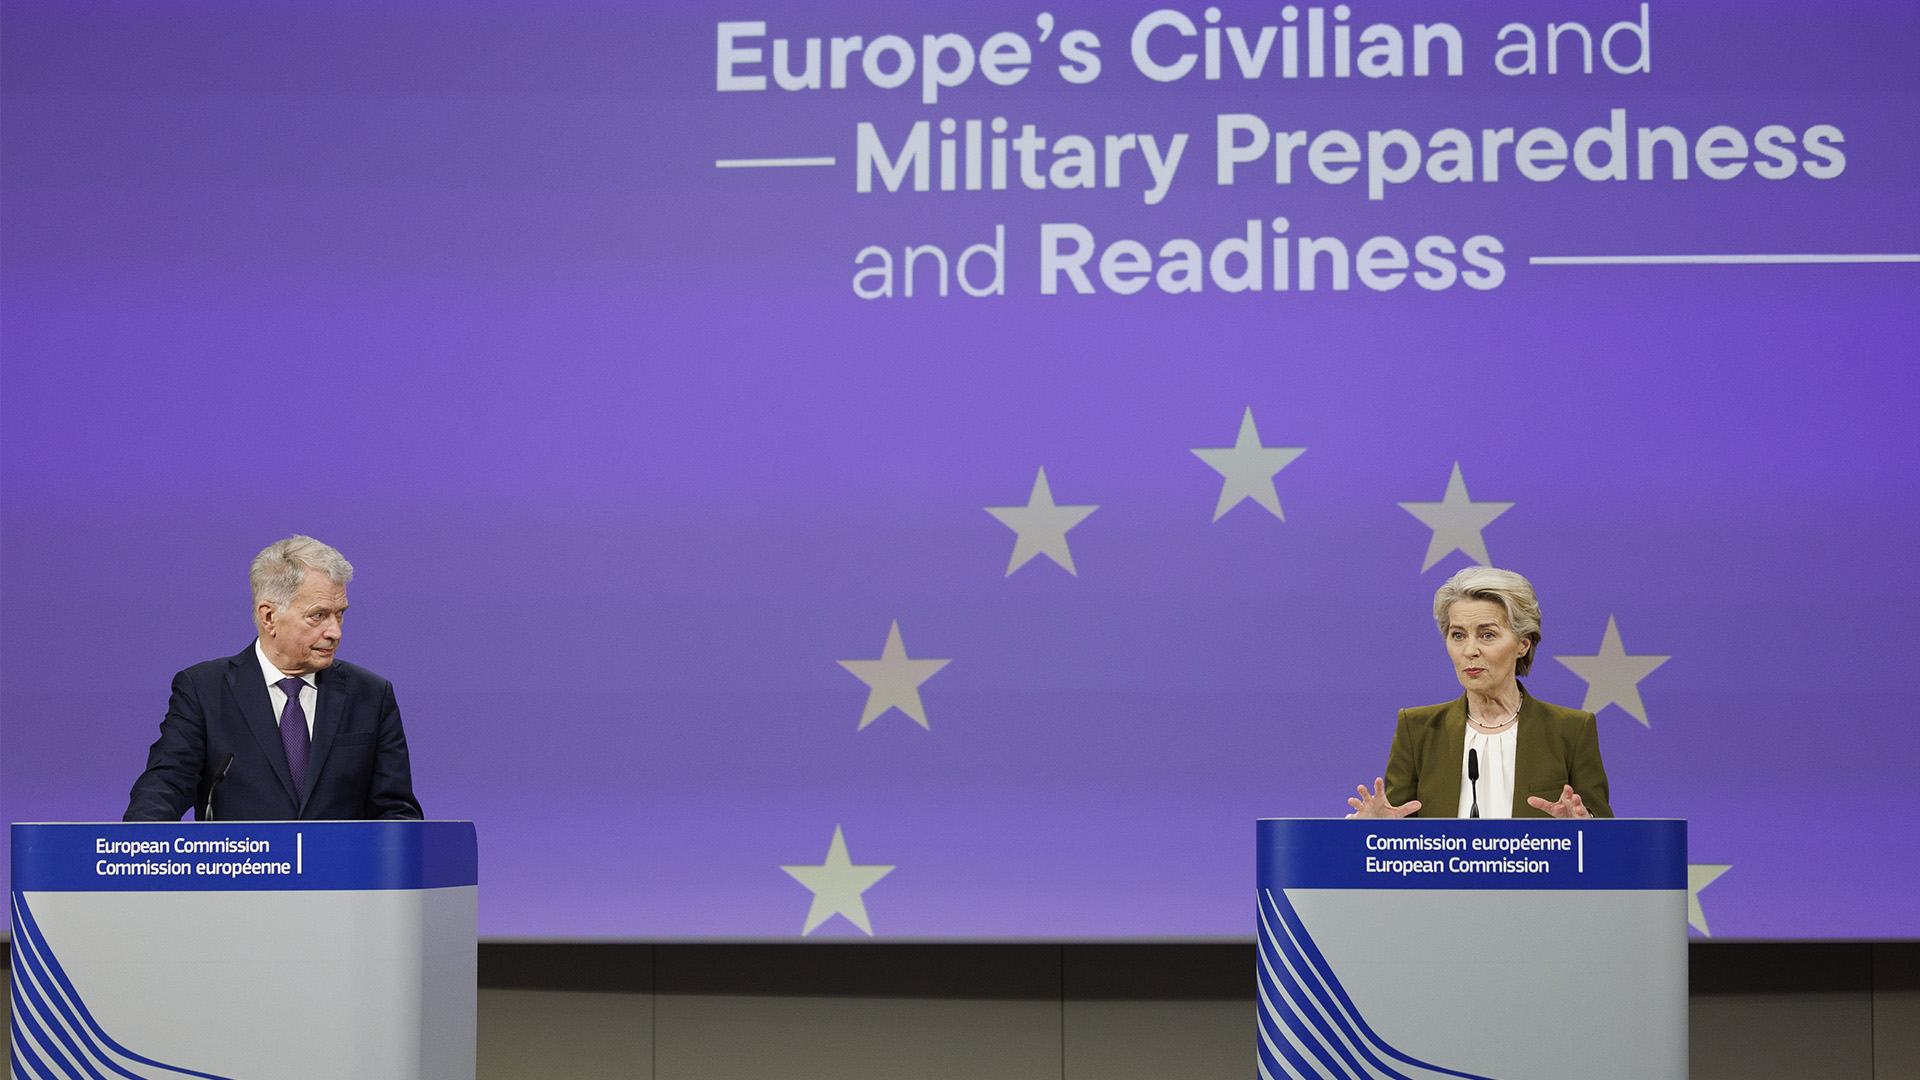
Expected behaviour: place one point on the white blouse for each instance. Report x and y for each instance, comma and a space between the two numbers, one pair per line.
1496, 772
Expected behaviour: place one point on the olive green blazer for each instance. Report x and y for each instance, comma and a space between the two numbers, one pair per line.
1554, 747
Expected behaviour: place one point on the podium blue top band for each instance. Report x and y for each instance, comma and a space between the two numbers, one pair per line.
240, 856
1452, 853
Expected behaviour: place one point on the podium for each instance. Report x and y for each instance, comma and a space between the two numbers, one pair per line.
1488, 950
308, 950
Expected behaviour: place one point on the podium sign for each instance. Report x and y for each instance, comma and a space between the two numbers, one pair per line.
1490, 950
243, 950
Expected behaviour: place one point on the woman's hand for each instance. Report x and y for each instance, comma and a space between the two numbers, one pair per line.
1569, 805
1374, 804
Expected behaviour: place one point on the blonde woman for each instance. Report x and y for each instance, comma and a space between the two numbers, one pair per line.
1495, 751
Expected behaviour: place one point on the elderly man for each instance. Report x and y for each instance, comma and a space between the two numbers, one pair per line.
283, 731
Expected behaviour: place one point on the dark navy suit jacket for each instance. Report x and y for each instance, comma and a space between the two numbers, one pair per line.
357, 767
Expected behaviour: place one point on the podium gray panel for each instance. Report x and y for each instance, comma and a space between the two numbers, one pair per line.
1502, 950
296, 950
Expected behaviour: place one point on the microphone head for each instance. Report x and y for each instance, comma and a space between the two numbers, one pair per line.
1473, 764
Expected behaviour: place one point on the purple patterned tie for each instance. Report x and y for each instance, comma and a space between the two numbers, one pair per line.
294, 735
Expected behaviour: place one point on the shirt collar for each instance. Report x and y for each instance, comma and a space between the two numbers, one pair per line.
273, 674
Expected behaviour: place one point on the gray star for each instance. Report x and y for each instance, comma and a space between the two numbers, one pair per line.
837, 884
1613, 677
1249, 469
1042, 527
1456, 522
893, 680
1699, 876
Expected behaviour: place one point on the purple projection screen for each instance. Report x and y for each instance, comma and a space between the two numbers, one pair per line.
681, 380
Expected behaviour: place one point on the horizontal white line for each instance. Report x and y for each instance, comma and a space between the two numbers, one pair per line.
1648, 260
769, 162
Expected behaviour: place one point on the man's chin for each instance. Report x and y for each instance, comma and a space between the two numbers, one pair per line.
319, 660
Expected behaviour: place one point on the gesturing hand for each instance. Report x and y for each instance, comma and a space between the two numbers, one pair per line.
1569, 805
1374, 803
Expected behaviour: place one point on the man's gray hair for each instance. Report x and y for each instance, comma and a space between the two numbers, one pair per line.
1504, 587
279, 570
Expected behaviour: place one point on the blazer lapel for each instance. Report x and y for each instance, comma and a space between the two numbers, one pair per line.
249, 687
329, 706
1531, 754
1453, 750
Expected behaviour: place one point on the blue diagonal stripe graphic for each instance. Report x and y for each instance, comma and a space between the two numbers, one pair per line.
49, 1011
1309, 1026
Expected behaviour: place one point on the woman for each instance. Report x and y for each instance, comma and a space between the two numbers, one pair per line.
1531, 759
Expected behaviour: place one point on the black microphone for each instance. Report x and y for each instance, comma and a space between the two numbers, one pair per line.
1473, 777
219, 774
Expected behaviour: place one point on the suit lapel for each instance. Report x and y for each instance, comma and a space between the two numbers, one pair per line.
1453, 750
249, 687
330, 705
1531, 754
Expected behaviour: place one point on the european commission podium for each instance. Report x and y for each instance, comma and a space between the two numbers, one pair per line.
1495, 949
310, 950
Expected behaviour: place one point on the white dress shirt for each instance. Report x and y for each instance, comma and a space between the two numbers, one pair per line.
1496, 772
309, 694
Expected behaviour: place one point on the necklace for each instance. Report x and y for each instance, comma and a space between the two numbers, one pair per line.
1488, 727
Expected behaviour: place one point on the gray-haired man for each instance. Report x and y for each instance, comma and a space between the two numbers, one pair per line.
283, 731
